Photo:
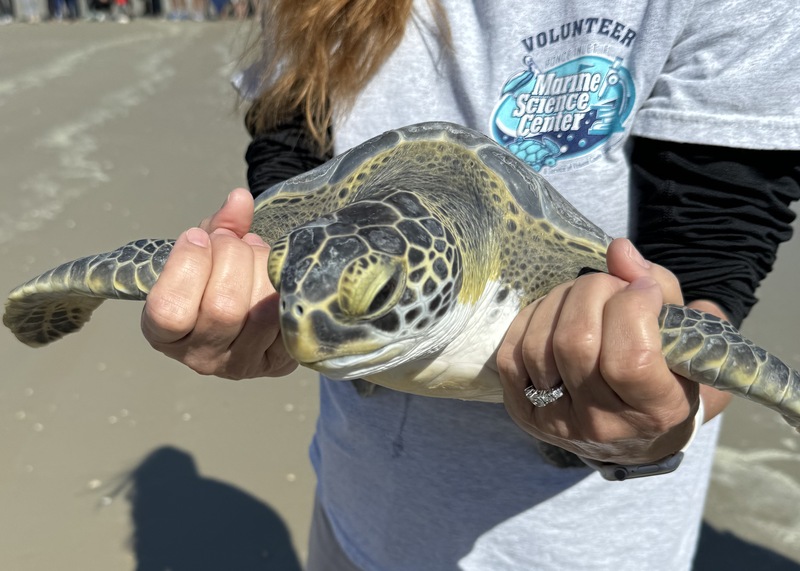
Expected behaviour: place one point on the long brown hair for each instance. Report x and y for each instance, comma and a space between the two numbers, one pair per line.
321, 53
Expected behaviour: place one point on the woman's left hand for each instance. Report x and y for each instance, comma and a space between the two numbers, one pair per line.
599, 335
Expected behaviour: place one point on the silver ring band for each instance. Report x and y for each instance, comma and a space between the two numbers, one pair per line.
540, 398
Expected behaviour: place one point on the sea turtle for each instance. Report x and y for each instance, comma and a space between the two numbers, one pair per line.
403, 261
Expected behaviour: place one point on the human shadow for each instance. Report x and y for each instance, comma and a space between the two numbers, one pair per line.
185, 522
723, 550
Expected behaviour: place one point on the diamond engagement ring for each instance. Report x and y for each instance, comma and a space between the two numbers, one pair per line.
544, 397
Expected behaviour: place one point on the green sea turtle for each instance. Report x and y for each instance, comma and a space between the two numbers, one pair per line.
403, 261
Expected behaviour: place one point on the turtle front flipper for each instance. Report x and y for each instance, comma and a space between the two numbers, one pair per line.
708, 350
61, 300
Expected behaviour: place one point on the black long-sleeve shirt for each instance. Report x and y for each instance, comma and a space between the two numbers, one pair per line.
714, 216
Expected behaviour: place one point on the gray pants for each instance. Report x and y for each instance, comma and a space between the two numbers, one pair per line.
324, 552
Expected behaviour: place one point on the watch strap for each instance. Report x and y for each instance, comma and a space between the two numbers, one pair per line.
619, 472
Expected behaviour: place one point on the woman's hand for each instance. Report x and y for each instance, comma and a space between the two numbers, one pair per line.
213, 308
599, 335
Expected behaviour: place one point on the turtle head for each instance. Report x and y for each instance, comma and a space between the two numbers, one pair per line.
362, 288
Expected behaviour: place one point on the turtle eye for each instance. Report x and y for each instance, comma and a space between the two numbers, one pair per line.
370, 286
384, 295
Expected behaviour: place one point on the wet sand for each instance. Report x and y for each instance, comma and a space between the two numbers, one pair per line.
109, 133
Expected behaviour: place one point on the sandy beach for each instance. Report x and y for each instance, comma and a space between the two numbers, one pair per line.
113, 455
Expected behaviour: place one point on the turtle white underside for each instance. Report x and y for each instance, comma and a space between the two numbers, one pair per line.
463, 369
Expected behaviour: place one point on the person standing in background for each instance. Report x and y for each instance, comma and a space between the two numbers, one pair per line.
181, 10
30, 11
6, 12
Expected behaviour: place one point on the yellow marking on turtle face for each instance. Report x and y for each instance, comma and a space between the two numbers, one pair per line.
277, 256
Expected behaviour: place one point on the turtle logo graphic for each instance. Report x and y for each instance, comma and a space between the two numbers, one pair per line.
565, 112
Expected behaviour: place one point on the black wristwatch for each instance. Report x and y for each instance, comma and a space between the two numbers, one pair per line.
618, 472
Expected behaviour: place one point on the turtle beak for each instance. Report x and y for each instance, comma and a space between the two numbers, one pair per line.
311, 335
299, 333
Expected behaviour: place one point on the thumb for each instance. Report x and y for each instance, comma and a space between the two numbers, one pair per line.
625, 262
236, 215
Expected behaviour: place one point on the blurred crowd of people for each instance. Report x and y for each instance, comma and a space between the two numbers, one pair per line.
122, 11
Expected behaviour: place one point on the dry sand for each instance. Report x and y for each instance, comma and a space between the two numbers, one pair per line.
111, 133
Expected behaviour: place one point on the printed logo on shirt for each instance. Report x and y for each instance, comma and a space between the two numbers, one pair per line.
557, 118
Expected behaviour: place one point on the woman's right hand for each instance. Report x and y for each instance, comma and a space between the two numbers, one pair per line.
213, 308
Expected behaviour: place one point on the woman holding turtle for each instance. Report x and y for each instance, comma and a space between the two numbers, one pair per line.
667, 122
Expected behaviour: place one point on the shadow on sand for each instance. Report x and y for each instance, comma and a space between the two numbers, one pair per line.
723, 550
185, 522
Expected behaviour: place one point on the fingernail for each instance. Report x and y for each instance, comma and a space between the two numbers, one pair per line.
644, 282
227, 198
255, 240
197, 237
636, 257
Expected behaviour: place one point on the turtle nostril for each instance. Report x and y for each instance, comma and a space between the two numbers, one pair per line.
292, 306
